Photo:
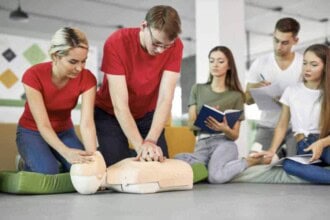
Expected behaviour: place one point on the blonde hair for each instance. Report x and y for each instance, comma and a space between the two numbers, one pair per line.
66, 39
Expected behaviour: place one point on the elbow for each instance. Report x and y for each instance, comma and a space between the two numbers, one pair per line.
234, 137
248, 98
44, 127
249, 101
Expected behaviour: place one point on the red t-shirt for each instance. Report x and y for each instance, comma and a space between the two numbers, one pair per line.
123, 55
58, 102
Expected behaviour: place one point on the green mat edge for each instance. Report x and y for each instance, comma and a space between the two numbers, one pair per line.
24, 182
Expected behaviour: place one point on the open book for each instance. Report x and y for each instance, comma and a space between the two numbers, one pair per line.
302, 158
232, 115
265, 97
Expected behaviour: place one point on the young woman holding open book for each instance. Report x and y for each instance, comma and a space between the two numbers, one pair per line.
216, 154
308, 106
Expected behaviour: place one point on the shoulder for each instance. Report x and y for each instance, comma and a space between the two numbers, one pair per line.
38, 69
123, 33
297, 86
198, 87
178, 43
298, 57
267, 58
294, 88
201, 86
88, 75
264, 58
260, 63
235, 94
41, 66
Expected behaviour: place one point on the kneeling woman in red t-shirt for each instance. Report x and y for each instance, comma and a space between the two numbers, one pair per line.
45, 133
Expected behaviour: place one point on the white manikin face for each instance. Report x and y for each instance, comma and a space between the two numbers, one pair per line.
88, 177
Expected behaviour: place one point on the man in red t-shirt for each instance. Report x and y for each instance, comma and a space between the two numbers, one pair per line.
141, 67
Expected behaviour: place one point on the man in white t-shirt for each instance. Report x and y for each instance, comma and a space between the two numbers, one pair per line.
282, 67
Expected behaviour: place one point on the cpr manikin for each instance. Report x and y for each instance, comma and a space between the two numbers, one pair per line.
131, 176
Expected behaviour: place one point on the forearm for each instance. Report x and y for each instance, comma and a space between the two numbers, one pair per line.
192, 115
161, 115
129, 127
248, 98
88, 134
49, 135
232, 133
325, 142
164, 105
278, 137
87, 124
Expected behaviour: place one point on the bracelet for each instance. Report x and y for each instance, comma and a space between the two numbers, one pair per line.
148, 141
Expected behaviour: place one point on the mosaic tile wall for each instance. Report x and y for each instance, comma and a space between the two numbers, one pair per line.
16, 55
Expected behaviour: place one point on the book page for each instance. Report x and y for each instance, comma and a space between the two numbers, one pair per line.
213, 109
303, 159
223, 113
265, 97
232, 110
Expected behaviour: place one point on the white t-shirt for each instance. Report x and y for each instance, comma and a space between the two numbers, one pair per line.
305, 108
268, 67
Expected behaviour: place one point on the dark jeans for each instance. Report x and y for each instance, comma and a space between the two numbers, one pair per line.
311, 173
38, 156
113, 143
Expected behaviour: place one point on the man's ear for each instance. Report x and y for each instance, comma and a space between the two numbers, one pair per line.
144, 24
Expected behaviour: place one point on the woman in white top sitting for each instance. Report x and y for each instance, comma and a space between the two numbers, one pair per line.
307, 104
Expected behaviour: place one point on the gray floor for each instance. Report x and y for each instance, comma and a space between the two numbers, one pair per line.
205, 201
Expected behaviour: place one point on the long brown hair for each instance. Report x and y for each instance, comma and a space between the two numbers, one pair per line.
232, 81
325, 109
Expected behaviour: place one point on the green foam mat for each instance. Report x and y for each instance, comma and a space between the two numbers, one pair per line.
200, 172
24, 182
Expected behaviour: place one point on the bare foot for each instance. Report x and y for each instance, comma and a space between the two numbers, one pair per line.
252, 161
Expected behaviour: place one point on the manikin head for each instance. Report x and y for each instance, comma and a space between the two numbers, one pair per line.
88, 177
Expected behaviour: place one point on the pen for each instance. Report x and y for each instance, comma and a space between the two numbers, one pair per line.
262, 77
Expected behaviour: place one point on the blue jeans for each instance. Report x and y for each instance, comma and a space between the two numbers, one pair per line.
311, 173
38, 156
113, 143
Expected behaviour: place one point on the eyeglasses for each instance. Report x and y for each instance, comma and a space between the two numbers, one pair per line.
158, 45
